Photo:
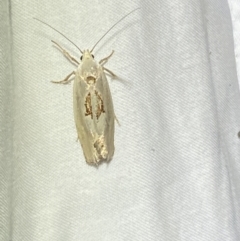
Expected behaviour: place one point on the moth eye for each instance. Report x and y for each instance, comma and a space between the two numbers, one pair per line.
81, 58
92, 56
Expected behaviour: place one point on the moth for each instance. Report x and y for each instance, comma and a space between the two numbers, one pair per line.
92, 102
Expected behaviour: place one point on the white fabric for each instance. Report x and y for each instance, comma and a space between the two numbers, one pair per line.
175, 174
234, 6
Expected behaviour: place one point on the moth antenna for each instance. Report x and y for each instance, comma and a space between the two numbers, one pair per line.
112, 28
59, 33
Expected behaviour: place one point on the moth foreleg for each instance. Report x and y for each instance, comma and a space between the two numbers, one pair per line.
110, 72
66, 54
66, 80
104, 61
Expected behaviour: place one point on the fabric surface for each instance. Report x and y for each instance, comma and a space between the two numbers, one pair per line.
175, 174
234, 6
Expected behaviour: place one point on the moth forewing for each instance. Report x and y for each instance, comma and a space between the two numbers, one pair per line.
93, 111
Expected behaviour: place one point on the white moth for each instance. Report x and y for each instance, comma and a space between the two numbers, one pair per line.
93, 110
92, 103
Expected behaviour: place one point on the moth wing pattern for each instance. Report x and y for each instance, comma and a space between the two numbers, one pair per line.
94, 115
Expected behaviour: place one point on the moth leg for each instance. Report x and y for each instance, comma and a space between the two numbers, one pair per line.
66, 80
104, 61
110, 72
117, 120
66, 54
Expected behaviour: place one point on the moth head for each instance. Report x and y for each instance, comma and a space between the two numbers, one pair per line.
87, 55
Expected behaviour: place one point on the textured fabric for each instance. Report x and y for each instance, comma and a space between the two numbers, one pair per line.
175, 174
234, 6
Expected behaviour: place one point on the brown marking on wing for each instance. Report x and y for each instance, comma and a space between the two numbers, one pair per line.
100, 105
88, 106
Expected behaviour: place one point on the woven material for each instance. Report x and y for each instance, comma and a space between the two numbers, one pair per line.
175, 174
